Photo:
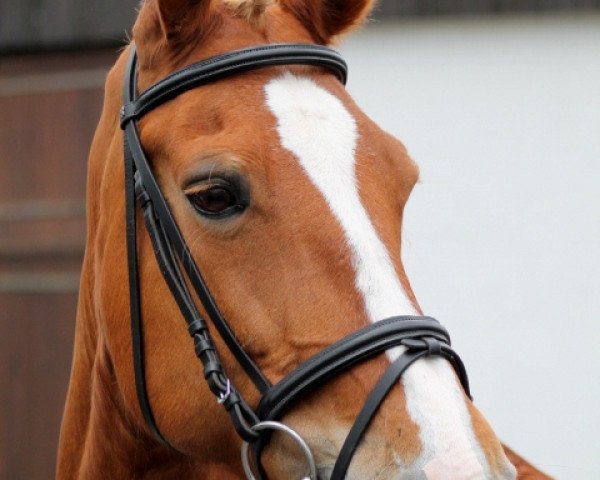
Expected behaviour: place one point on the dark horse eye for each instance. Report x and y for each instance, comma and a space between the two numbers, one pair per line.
217, 200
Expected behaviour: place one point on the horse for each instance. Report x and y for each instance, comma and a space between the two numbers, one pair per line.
289, 201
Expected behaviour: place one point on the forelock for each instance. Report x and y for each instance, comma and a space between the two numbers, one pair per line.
250, 10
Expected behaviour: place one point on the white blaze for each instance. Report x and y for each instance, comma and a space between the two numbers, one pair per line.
315, 126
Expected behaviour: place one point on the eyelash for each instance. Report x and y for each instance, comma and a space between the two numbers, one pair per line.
229, 204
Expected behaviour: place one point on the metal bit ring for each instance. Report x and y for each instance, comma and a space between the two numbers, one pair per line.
312, 468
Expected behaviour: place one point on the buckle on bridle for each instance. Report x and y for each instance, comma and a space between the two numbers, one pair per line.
223, 396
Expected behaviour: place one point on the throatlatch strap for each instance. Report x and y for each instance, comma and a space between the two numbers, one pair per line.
137, 334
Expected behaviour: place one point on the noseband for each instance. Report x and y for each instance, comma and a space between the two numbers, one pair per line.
418, 336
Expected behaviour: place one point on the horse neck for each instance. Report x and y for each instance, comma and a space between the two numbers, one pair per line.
99, 437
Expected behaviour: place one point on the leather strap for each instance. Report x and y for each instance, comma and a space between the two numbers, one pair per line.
376, 397
226, 65
419, 335
134, 301
357, 347
214, 373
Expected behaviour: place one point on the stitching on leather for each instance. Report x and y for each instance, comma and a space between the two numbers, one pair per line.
297, 380
276, 407
240, 53
149, 99
316, 360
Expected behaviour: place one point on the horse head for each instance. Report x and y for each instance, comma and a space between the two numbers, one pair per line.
290, 200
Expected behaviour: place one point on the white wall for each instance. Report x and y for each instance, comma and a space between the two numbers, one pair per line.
502, 235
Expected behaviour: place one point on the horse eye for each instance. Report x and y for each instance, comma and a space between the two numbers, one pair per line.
216, 200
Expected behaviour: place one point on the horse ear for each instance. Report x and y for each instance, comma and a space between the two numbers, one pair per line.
328, 18
174, 13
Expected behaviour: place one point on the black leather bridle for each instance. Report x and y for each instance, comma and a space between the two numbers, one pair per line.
420, 336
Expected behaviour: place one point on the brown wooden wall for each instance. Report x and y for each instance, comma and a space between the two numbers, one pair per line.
49, 107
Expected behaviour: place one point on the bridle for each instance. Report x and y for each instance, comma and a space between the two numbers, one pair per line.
419, 336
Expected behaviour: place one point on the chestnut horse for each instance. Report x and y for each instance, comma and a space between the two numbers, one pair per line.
291, 200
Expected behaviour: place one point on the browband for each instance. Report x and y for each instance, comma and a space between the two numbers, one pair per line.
232, 63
